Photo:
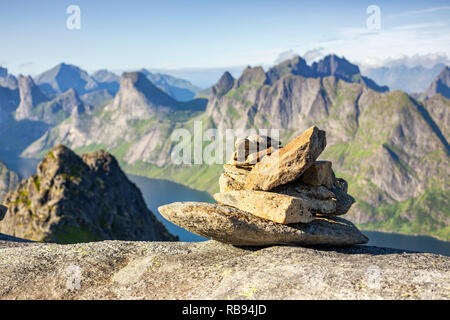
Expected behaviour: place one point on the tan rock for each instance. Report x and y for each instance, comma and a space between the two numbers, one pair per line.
226, 183
319, 173
234, 226
288, 163
253, 144
251, 158
275, 207
237, 173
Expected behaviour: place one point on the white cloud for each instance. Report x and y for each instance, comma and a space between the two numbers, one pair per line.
417, 26
313, 54
285, 55
422, 11
424, 60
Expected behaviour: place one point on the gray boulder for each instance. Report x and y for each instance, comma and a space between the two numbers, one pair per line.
230, 225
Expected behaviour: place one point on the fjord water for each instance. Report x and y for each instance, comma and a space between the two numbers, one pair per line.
157, 192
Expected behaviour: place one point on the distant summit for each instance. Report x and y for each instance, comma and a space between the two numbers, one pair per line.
440, 85
179, 89
73, 199
331, 65
138, 96
63, 77
411, 79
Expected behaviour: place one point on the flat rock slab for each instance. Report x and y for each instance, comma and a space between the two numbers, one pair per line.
230, 225
288, 163
275, 207
213, 270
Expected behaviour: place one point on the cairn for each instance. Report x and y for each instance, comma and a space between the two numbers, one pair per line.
274, 195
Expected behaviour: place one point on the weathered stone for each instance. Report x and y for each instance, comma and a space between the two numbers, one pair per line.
234, 226
227, 183
297, 189
251, 159
275, 207
233, 178
238, 173
343, 201
124, 270
288, 163
341, 184
253, 144
3, 210
319, 173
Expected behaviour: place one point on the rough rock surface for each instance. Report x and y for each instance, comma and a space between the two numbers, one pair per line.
288, 163
8, 180
319, 174
231, 225
212, 270
73, 199
275, 207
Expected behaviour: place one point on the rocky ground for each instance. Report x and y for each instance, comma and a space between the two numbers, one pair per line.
212, 270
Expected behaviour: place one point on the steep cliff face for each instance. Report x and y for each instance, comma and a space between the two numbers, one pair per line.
30, 97
73, 199
8, 181
440, 85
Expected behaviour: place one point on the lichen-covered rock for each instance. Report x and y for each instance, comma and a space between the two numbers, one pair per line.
288, 163
73, 199
213, 270
268, 205
234, 226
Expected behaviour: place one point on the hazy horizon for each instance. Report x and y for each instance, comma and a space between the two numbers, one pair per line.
177, 35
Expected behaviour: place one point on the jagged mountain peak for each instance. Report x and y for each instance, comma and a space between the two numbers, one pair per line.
252, 75
332, 65
3, 72
79, 199
440, 85
64, 76
30, 96
138, 96
104, 75
225, 83
296, 66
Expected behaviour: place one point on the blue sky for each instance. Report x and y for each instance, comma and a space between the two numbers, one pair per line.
131, 34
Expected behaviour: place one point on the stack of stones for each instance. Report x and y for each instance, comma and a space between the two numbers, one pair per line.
274, 195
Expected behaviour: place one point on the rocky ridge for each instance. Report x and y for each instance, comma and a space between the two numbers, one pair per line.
440, 85
279, 198
75, 199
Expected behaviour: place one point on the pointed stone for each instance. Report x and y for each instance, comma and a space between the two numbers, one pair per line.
237, 227
288, 163
268, 205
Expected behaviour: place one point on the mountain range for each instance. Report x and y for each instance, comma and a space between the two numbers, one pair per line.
411, 79
392, 148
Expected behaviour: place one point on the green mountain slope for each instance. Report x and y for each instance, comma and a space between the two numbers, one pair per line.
391, 148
